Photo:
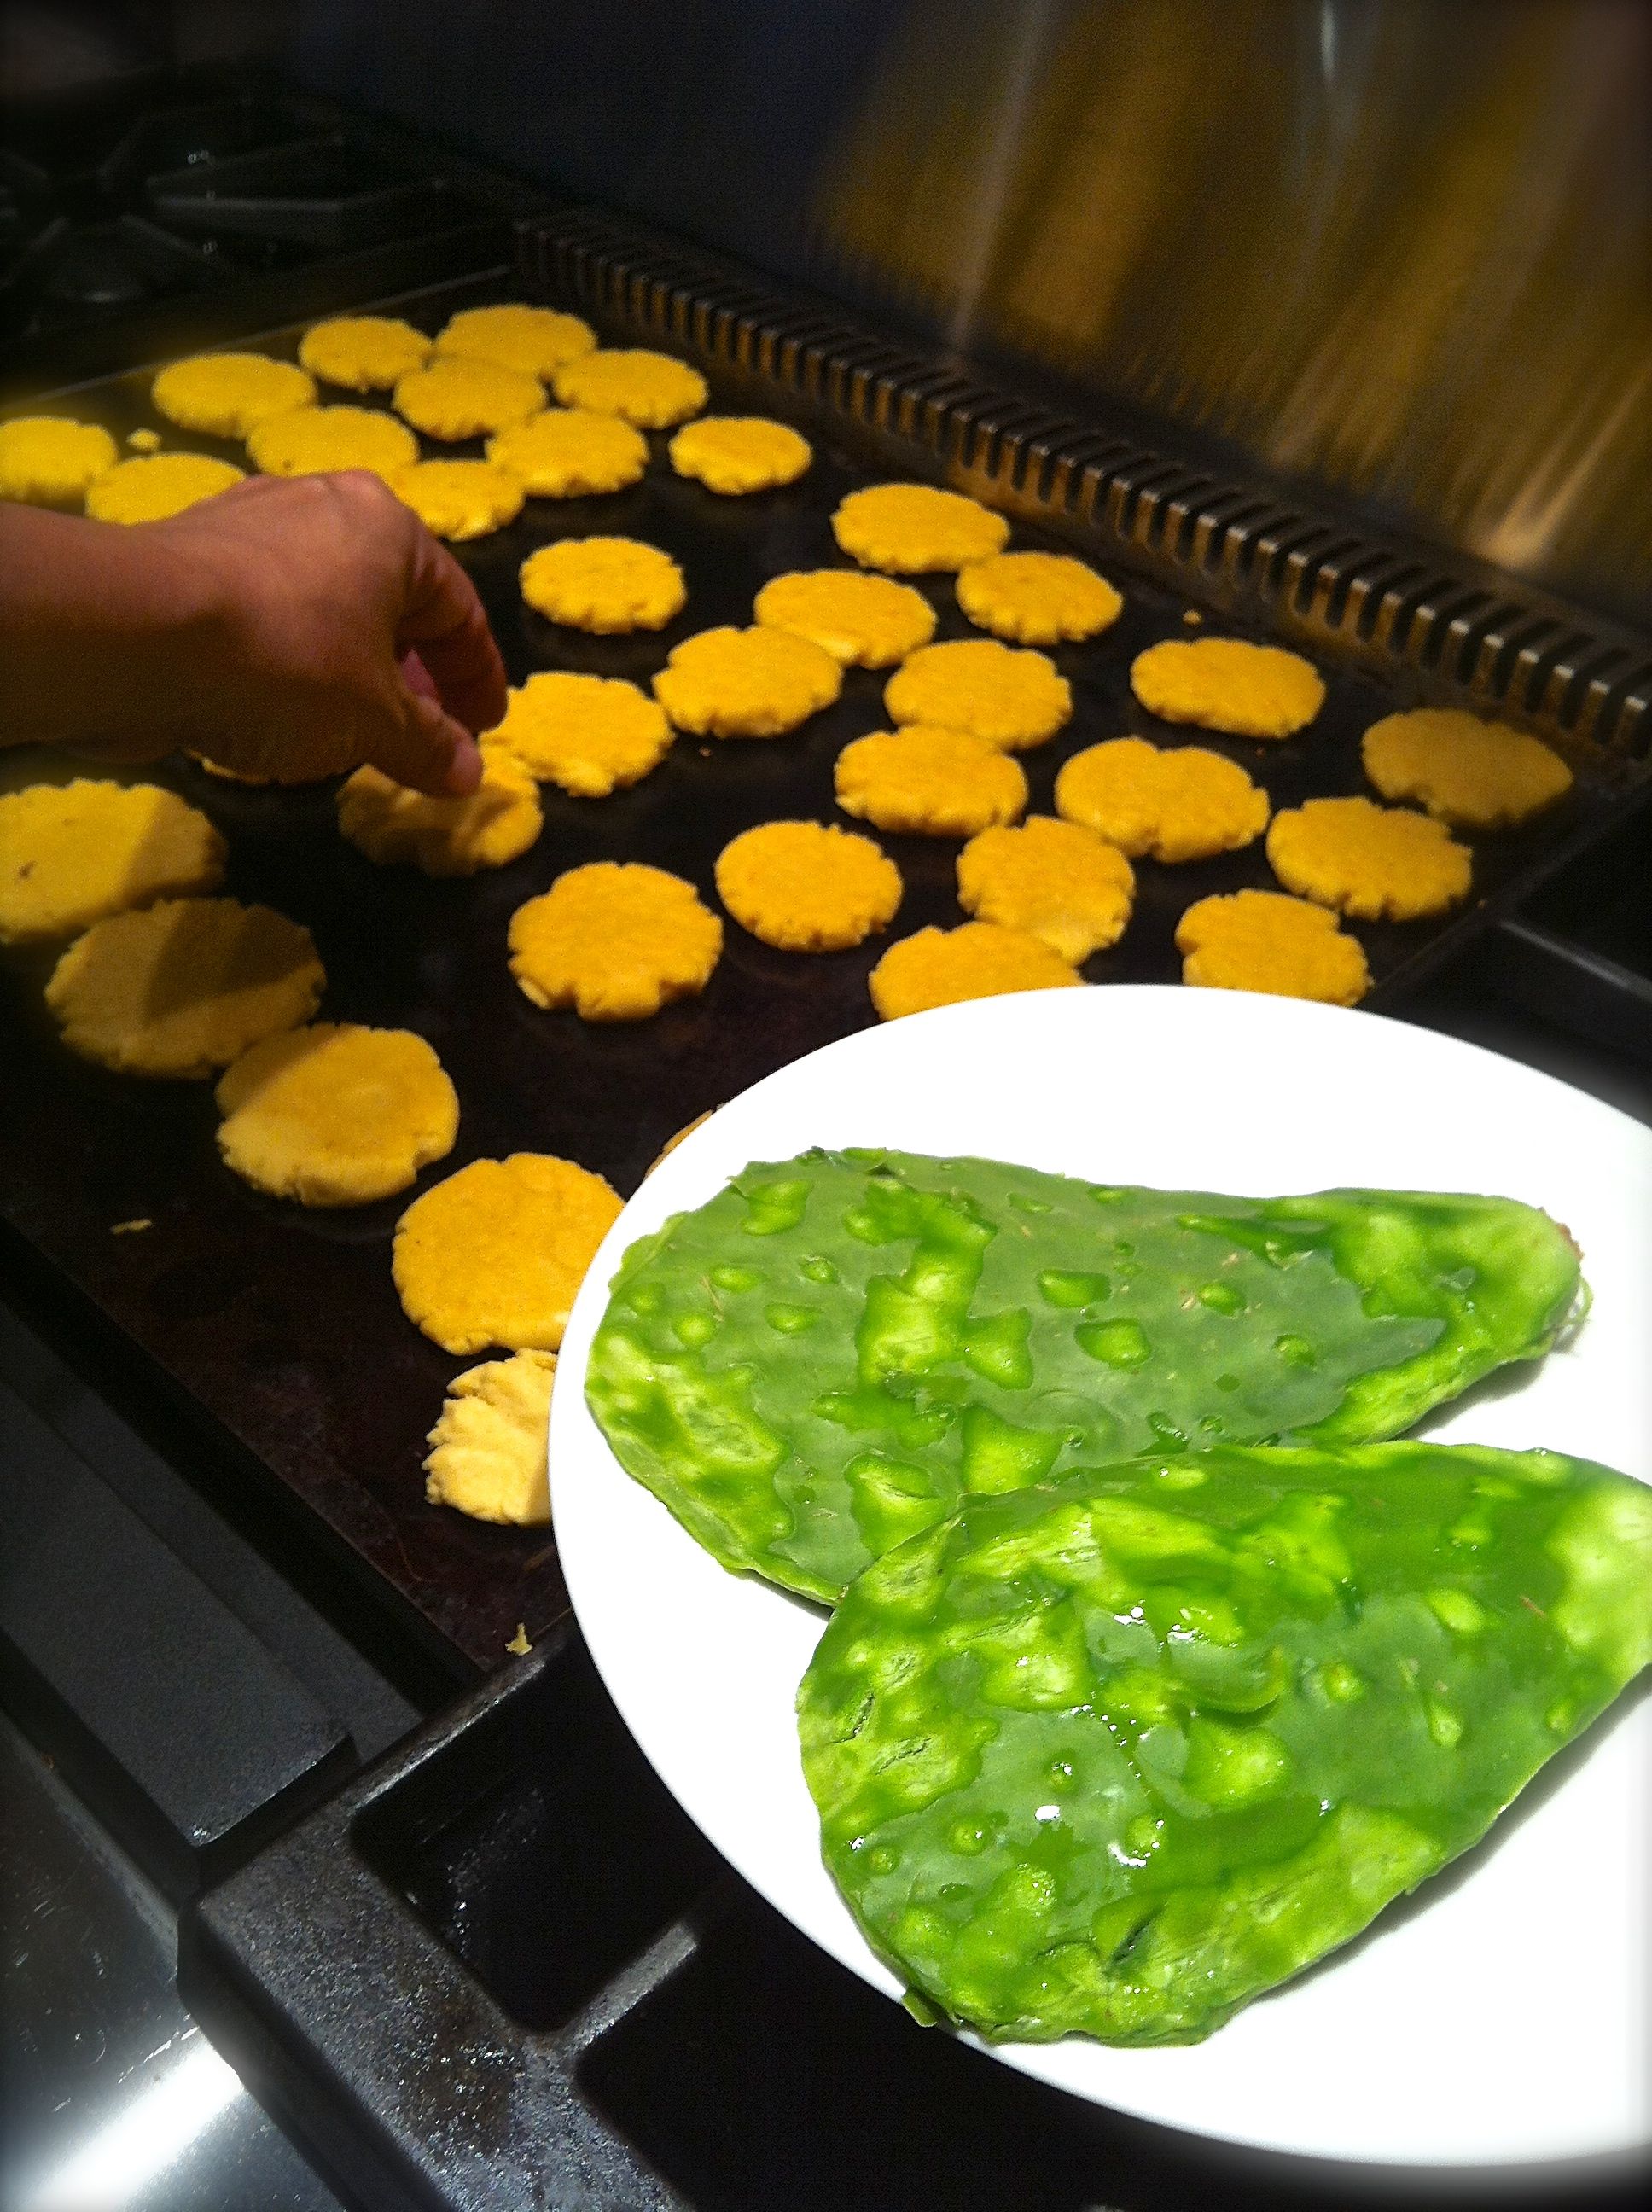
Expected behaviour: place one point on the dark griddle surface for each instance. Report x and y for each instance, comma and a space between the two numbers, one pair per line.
281, 1328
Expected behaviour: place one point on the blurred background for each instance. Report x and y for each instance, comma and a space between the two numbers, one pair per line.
1397, 250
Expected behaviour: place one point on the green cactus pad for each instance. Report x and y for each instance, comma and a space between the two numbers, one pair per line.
1115, 1755
835, 1350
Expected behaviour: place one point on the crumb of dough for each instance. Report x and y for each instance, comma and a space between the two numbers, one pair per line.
1185, 802
452, 399
487, 1451
1192, 619
253, 779
72, 853
734, 453
1377, 863
518, 1644
151, 488
363, 353
143, 440
571, 453
605, 585
460, 500
617, 941
672, 1143
1055, 879
226, 395
978, 960
336, 1114
864, 621
1471, 774
651, 390
184, 987
803, 887
534, 340
1012, 698
46, 460
492, 826
131, 1228
307, 440
910, 528
755, 683
591, 734
1225, 683
929, 782
1037, 598
1263, 941
496, 1252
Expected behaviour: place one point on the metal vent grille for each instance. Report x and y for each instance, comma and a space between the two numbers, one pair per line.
1466, 633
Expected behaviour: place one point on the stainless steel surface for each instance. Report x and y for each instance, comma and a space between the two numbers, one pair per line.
110, 2095
1396, 253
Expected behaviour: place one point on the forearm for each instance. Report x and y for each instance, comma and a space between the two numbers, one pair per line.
107, 634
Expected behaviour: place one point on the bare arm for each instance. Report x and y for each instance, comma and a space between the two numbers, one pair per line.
270, 627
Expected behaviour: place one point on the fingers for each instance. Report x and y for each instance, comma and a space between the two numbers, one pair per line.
444, 621
424, 748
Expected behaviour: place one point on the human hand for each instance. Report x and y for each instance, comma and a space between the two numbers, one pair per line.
331, 630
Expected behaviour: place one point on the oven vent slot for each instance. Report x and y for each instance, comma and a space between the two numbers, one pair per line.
1449, 630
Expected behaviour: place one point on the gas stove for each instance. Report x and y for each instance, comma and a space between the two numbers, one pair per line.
284, 1834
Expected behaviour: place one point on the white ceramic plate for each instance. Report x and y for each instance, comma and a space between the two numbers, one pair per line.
1501, 2015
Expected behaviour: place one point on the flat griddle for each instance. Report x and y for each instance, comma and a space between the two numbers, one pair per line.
277, 1330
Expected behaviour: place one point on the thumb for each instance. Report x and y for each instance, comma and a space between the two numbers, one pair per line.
424, 748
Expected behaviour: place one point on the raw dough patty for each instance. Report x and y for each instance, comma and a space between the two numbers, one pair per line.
225, 395
805, 888
591, 734
615, 941
72, 853
933, 783
978, 960
1263, 941
864, 622
183, 987
1059, 882
495, 1254
1012, 698
336, 1114
487, 1454
909, 529
754, 683
605, 584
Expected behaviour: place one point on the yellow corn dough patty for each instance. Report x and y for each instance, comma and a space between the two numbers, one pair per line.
571, 453
1054, 879
226, 395
651, 390
1377, 863
978, 960
910, 528
460, 500
754, 683
733, 453
1224, 683
1263, 941
864, 621
591, 734
1182, 804
929, 782
72, 853
493, 825
805, 888
495, 1254
308, 440
46, 460
150, 489
533, 340
336, 1114
1470, 773
615, 940
452, 399
487, 1454
183, 987
1012, 698
1037, 598
363, 353
605, 585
